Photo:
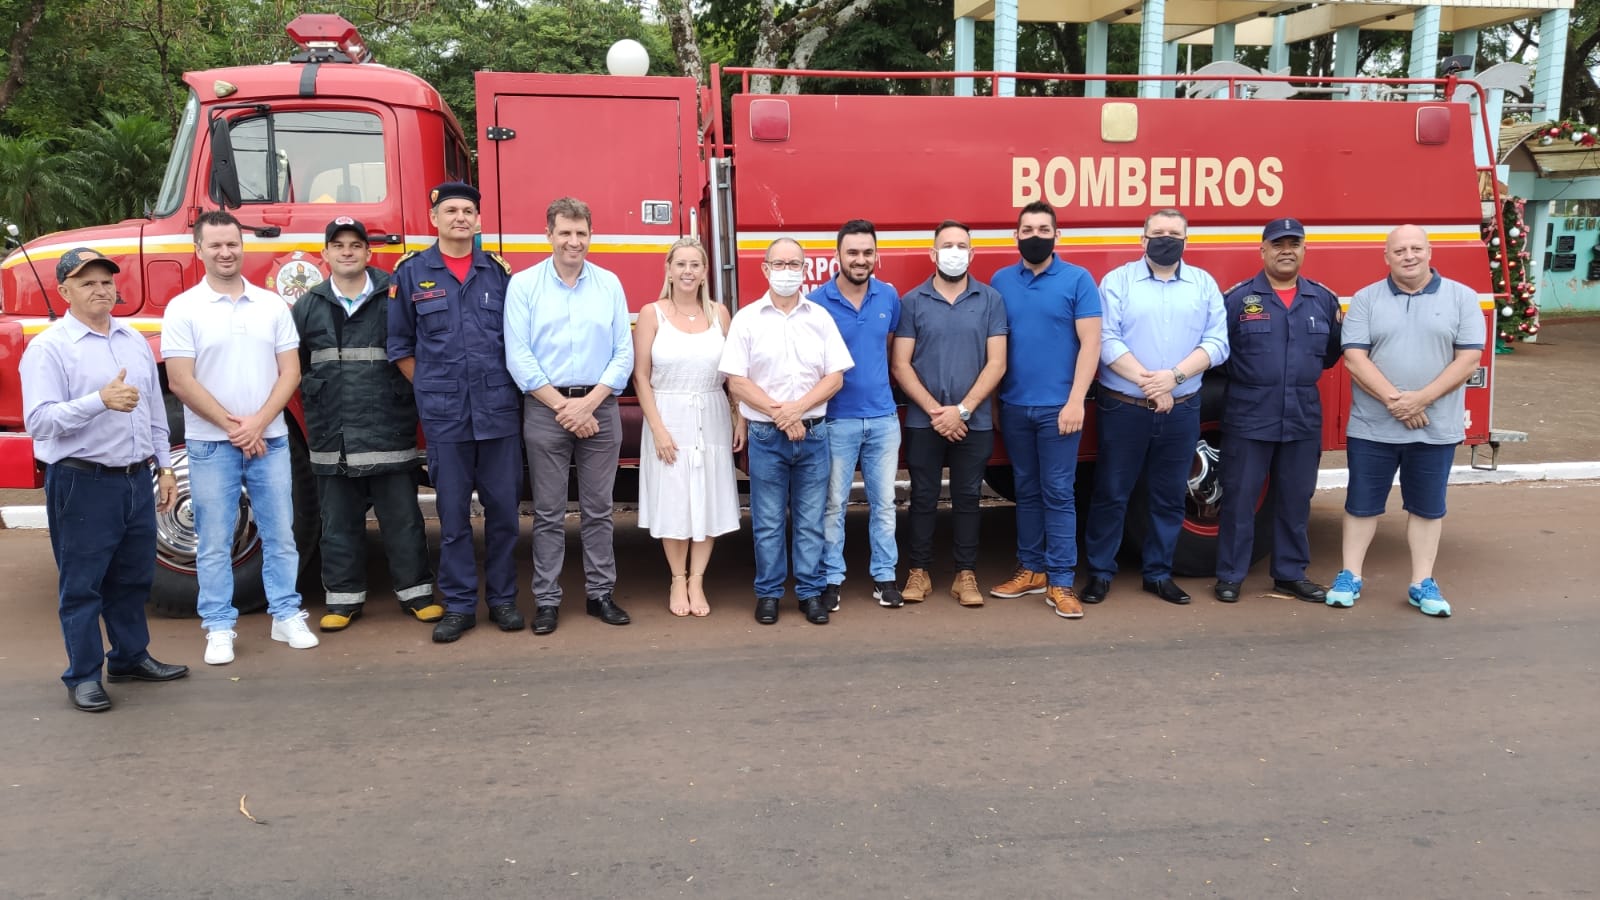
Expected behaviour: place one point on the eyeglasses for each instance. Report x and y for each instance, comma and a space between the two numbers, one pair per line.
793, 265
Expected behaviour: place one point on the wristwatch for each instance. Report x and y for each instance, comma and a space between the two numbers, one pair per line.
963, 412
164, 471
1178, 377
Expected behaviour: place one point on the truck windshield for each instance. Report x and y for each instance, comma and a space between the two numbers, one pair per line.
172, 183
322, 156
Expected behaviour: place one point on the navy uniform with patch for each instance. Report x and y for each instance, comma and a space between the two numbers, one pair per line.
1272, 419
471, 413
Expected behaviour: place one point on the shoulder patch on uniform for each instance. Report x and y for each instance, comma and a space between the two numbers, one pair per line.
1239, 285
403, 257
499, 259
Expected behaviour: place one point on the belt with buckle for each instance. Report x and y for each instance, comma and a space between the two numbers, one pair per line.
1141, 402
73, 462
573, 391
811, 422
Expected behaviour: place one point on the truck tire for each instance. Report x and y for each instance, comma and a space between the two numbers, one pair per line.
176, 586
1196, 551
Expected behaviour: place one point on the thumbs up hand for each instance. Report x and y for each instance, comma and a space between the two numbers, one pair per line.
119, 395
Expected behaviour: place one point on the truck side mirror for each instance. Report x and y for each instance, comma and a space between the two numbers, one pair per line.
224, 169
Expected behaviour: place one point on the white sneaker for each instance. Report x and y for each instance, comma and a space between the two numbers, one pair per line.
293, 631
219, 647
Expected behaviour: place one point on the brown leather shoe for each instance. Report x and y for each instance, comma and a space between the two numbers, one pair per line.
1024, 581
965, 588
918, 586
1064, 601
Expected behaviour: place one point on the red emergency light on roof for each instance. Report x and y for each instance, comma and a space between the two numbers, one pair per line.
320, 33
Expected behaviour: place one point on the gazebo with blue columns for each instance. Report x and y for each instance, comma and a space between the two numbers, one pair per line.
1227, 24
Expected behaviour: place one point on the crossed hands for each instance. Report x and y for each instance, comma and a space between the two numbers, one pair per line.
576, 414
786, 418
947, 423
246, 434
1408, 407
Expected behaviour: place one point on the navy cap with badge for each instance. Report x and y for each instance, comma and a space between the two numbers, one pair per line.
344, 223
454, 189
78, 257
1282, 228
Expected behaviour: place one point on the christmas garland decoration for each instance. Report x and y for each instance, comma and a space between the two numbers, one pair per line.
1580, 133
1517, 319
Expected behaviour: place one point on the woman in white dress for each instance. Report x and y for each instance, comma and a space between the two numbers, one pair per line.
687, 491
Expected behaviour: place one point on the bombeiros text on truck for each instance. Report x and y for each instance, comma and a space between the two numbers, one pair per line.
287, 147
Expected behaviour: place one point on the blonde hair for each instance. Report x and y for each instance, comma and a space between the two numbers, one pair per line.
705, 283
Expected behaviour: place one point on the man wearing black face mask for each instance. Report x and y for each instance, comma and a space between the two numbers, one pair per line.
1053, 311
1164, 325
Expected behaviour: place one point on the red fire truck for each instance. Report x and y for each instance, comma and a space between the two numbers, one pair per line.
333, 133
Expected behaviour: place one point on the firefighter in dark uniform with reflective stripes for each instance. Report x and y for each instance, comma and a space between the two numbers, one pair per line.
1283, 331
446, 327
361, 426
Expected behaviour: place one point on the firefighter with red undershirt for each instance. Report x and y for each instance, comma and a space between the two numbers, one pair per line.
446, 334
1283, 332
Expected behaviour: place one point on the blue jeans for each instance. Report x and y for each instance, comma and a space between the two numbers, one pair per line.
1044, 467
874, 445
103, 532
216, 470
788, 479
1141, 443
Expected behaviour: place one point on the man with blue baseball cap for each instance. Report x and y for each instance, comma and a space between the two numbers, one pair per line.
1283, 331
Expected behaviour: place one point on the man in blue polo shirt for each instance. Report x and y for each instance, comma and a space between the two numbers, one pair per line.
1053, 315
1411, 341
863, 428
1163, 326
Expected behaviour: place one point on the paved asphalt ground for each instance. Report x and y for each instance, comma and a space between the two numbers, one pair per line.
1269, 749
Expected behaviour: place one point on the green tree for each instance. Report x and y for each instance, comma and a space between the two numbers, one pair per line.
124, 156
39, 190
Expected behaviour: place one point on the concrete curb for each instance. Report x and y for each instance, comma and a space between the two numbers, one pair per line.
1332, 479
1327, 480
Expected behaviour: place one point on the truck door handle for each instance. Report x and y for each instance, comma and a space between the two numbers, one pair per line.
378, 237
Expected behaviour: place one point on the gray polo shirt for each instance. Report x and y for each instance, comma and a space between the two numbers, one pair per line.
952, 344
1411, 339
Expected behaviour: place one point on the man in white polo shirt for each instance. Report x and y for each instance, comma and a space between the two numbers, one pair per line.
232, 357
784, 358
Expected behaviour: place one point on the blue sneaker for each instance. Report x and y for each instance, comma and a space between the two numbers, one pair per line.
1346, 589
1426, 597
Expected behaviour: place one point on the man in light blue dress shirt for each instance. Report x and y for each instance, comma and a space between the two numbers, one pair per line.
569, 347
1162, 326
92, 401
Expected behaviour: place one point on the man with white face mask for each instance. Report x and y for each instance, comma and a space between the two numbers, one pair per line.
1053, 309
949, 354
784, 358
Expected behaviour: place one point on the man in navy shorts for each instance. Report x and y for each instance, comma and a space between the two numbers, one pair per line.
1411, 341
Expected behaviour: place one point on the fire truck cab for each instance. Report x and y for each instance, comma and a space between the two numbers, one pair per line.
290, 146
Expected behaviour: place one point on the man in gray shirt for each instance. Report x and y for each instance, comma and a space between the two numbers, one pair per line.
1410, 343
949, 354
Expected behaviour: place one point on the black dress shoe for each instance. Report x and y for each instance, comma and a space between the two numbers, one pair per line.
148, 669
89, 696
506, 616
453, 626
1168, 590
1309, 591
607, 611
766, 610
1095, 591
1226, 591
545, 619
816, 610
